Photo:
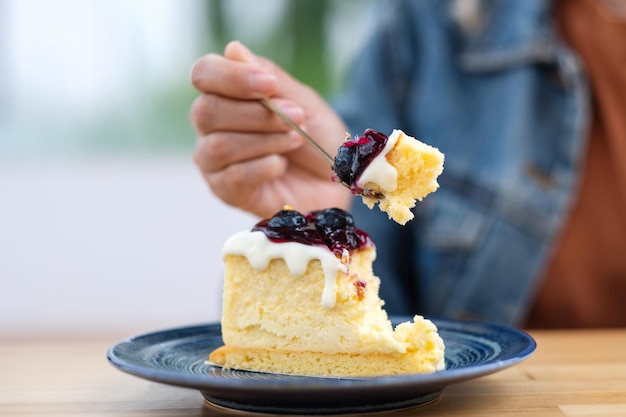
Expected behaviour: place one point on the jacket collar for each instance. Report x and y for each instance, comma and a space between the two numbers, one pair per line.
501, 33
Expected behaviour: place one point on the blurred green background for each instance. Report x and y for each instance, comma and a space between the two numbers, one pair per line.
106, 225
94, 77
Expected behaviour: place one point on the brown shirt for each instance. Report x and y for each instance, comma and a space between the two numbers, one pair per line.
585, 283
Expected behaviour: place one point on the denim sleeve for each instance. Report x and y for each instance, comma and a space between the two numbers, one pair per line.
489, 101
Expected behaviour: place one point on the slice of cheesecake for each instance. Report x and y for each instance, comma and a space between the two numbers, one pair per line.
300, 298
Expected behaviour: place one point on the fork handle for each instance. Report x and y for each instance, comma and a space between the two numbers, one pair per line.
275, 109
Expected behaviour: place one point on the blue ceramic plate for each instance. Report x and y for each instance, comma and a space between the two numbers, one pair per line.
177, 357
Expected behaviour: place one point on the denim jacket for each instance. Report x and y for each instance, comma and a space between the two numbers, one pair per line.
507, 103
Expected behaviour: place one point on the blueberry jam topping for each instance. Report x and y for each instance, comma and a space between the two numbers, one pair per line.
333, 228
334, 218
355, 154
287, 219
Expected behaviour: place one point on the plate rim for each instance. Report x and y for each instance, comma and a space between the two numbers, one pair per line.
439, 379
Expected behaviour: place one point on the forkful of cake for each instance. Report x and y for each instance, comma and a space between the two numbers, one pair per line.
394, 171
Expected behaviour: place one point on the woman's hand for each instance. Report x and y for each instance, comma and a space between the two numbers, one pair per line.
249, 157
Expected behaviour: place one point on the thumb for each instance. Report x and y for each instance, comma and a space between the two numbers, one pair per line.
287, 86
236, 51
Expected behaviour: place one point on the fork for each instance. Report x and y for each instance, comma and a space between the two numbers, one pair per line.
270, 105
274, 108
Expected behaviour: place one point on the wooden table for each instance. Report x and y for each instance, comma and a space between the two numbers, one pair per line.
572, 373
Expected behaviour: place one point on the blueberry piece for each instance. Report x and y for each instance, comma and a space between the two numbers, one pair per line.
291, 219
334, 218
344, 162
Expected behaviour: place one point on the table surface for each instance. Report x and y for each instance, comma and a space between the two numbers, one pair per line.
572, 373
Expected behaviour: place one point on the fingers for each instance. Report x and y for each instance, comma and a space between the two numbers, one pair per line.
249, 157
216, 152
239, 73
285, 86
210, 113
215, 74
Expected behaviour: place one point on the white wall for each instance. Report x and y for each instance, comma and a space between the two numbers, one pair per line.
99, 246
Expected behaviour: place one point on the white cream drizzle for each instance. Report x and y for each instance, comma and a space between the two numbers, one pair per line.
260, 250
380, 171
